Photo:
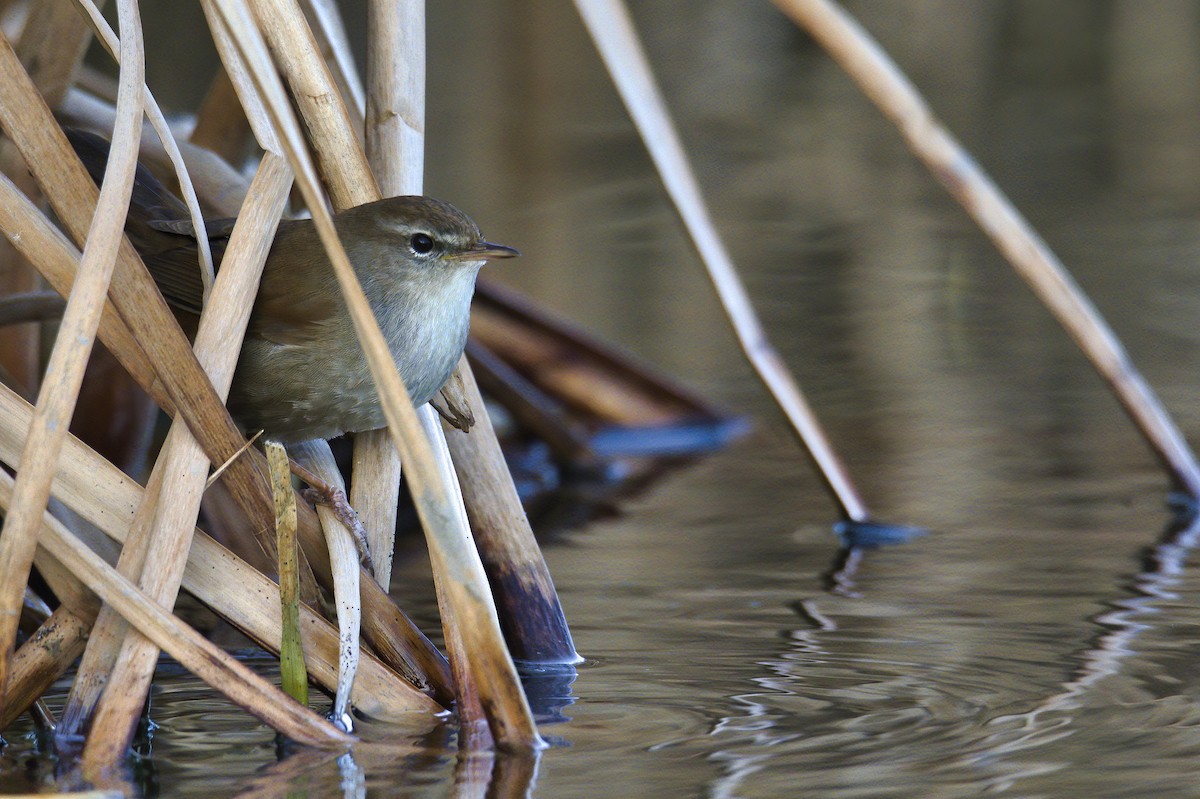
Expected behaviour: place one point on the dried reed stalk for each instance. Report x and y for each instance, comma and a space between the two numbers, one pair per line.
155, 556
329, 32
52, 43
58, 641
203, 658
883, 82
535, 625
394, 142
612, 30
102, 495
40, 660
391, 634
176, 373
431, 477
343, 558
64, 373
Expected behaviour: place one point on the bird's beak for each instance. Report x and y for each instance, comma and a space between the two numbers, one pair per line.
487, 251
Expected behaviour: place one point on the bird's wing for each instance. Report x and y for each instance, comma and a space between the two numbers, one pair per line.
176, 272
298, 300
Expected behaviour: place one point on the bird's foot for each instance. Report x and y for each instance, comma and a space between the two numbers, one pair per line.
335, 499
321, 492
452, 406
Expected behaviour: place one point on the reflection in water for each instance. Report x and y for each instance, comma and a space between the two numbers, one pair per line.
981, 749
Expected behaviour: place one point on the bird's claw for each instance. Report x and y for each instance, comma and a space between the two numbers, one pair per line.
335, 499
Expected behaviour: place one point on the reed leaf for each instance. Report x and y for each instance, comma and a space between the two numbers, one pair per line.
293, 675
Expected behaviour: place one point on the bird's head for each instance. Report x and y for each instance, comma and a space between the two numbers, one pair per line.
433, 233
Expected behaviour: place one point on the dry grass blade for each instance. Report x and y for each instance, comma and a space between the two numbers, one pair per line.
52, 43
64, 373
105, 497
196, 653
612, 30
394, 142
155, 555
431, 477
882, 81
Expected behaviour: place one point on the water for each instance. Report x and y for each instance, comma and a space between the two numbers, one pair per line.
1025, 647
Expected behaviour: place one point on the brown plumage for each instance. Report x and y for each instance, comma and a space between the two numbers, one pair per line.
301, 373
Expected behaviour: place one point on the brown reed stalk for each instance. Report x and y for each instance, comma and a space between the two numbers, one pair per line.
394, 144
107, 498
535, 625
384, 626
64, 373
40, 660
59, 640
52, 43
883, 82
203, 658
612, 30
155, 555
430, 478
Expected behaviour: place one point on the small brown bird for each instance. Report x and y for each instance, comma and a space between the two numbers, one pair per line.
301, 373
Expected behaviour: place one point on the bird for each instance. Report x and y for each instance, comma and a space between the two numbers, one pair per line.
301, 373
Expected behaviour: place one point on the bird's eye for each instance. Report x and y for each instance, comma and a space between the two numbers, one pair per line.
421, 243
